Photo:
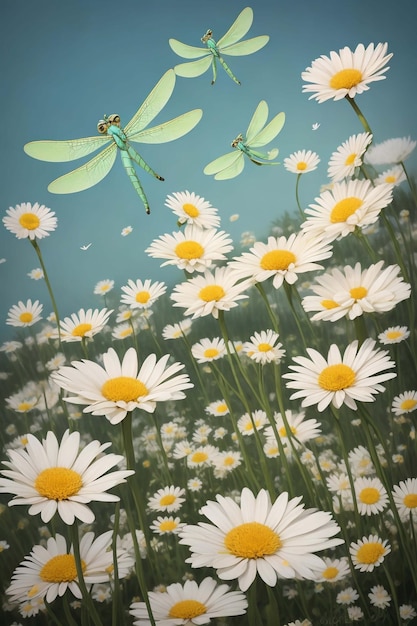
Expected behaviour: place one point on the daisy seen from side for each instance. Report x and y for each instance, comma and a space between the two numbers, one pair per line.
302, 162
406, 402
84, 324
369, 552
178, 330
248, 423
264, 347
393, 176
219, 407
142, 294
394, 150
103, 287
191, 208
24, 314
344, 161
167, 525
28, 221
301, 430
405, 498
333, 570
36, 274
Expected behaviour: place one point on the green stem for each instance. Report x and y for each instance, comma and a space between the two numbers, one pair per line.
80, 576
359, 113
297, 196
48, 285
410, 183
271, 314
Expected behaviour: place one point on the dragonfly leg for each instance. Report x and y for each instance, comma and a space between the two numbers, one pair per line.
135, 156
130, 171
228, 70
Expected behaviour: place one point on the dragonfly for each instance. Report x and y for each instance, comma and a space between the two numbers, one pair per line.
228, 44
258, 134
119, 139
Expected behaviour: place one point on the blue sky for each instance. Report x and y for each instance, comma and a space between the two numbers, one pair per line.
65, 64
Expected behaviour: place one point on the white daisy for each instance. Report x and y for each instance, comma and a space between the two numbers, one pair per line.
281, 259
219, 407
346, 73
194, 484
355, 613
226, 462
248, 423
142, 295
348, 205
22, 314
405, 498
390, 151
264, 347
168, 499
190, 604
10, 347
167, 525
126, 231
360, 461
207, 350
103, 287
379, 597
260, 537
119, 388
177, 331
407, 611
333, 570
84, 324
337, 381
122, 331
60, 477
56, 362
193, 249
393, 176
347, 596
203, 456
404, 403
193, 209
36, 274
369, 552
302, 430
30, 222
344, 161
302, 162
210, 293
371, 496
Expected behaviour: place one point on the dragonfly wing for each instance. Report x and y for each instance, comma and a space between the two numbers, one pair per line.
221, 166
233, 170
238, 29
173, 129
185, 51
258, 121
60, 151
87, 175
194, 68
153, 104
246, 47
270, 131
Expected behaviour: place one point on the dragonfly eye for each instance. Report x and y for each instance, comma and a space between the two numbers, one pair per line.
102, 127
236, 141
114, 119
207, 35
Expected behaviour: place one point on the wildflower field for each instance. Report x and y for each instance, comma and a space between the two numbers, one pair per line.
237, 447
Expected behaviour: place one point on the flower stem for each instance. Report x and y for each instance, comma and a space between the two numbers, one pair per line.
359, 113
80, 576
48, 284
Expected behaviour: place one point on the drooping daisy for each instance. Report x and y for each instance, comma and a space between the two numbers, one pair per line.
50, 570
371, 496
302, 430
190, 604
404, 403
84, 324
177, 331
379, 597
142, 295
168, 499
264, 347
346, 73
60, 477
390, 151
167, 525
369, 552
348, 205
210, 293
394, 176
344, 161
207, 350
118, 388
193, 249
302, 162
257, 536
247, 424
405, 498
281, 259
22, 314
192, 209
333, 570
30, 222
340, 380
219, 407
36, 274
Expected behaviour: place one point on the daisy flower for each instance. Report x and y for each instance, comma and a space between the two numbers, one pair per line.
390, 151
177, 331
219, 407
333, 570
194, 484
192, 209
118, 388
346, 73
84, 324
210, 293
340, 380
10, 347
371, 495
122, 331
379, 597
50, 570
168, 499
142, 295
302, 162
393, 176
103, 287
302, 430
264, 347
369, 552
30, 222
407, 611
405, 498
349, 204
347, 596
190, 604
226, 462
24, 400
126, 231
281, 259
56, 362
257, 536
344, 161
355, 613
247, 424
404, 403
60, 477
360, 461
207, 350
193, 249
202, 456
36, 274
22, 314
167, 525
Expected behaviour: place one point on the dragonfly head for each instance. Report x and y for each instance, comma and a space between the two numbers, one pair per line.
207, 36
102, 126
113, 120
235, 142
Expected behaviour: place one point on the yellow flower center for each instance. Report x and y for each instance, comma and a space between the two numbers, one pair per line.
252, 541
187, 609
222, 407
199, 457
60, 569
301, 165
123, 388
81, 330
369, 495
410, 500
264, 347
346, 79
393, 334
350, 159
189, 250
330, 573
336, 377
210, 353
24, 406
126, 333
228, 460
408, 405
370, 552
344, 209
58, 483
277, 260
30, 221
329, 304
142, 297
168, 499
26, 317
190, 210
390, 179
167, 525
212, 292
357, 293
283, 431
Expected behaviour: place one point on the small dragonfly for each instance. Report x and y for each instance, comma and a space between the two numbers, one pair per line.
231, 164
110, 130
228, 44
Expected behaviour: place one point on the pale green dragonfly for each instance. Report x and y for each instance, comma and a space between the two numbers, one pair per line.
231, 164
97, 168
228, 44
